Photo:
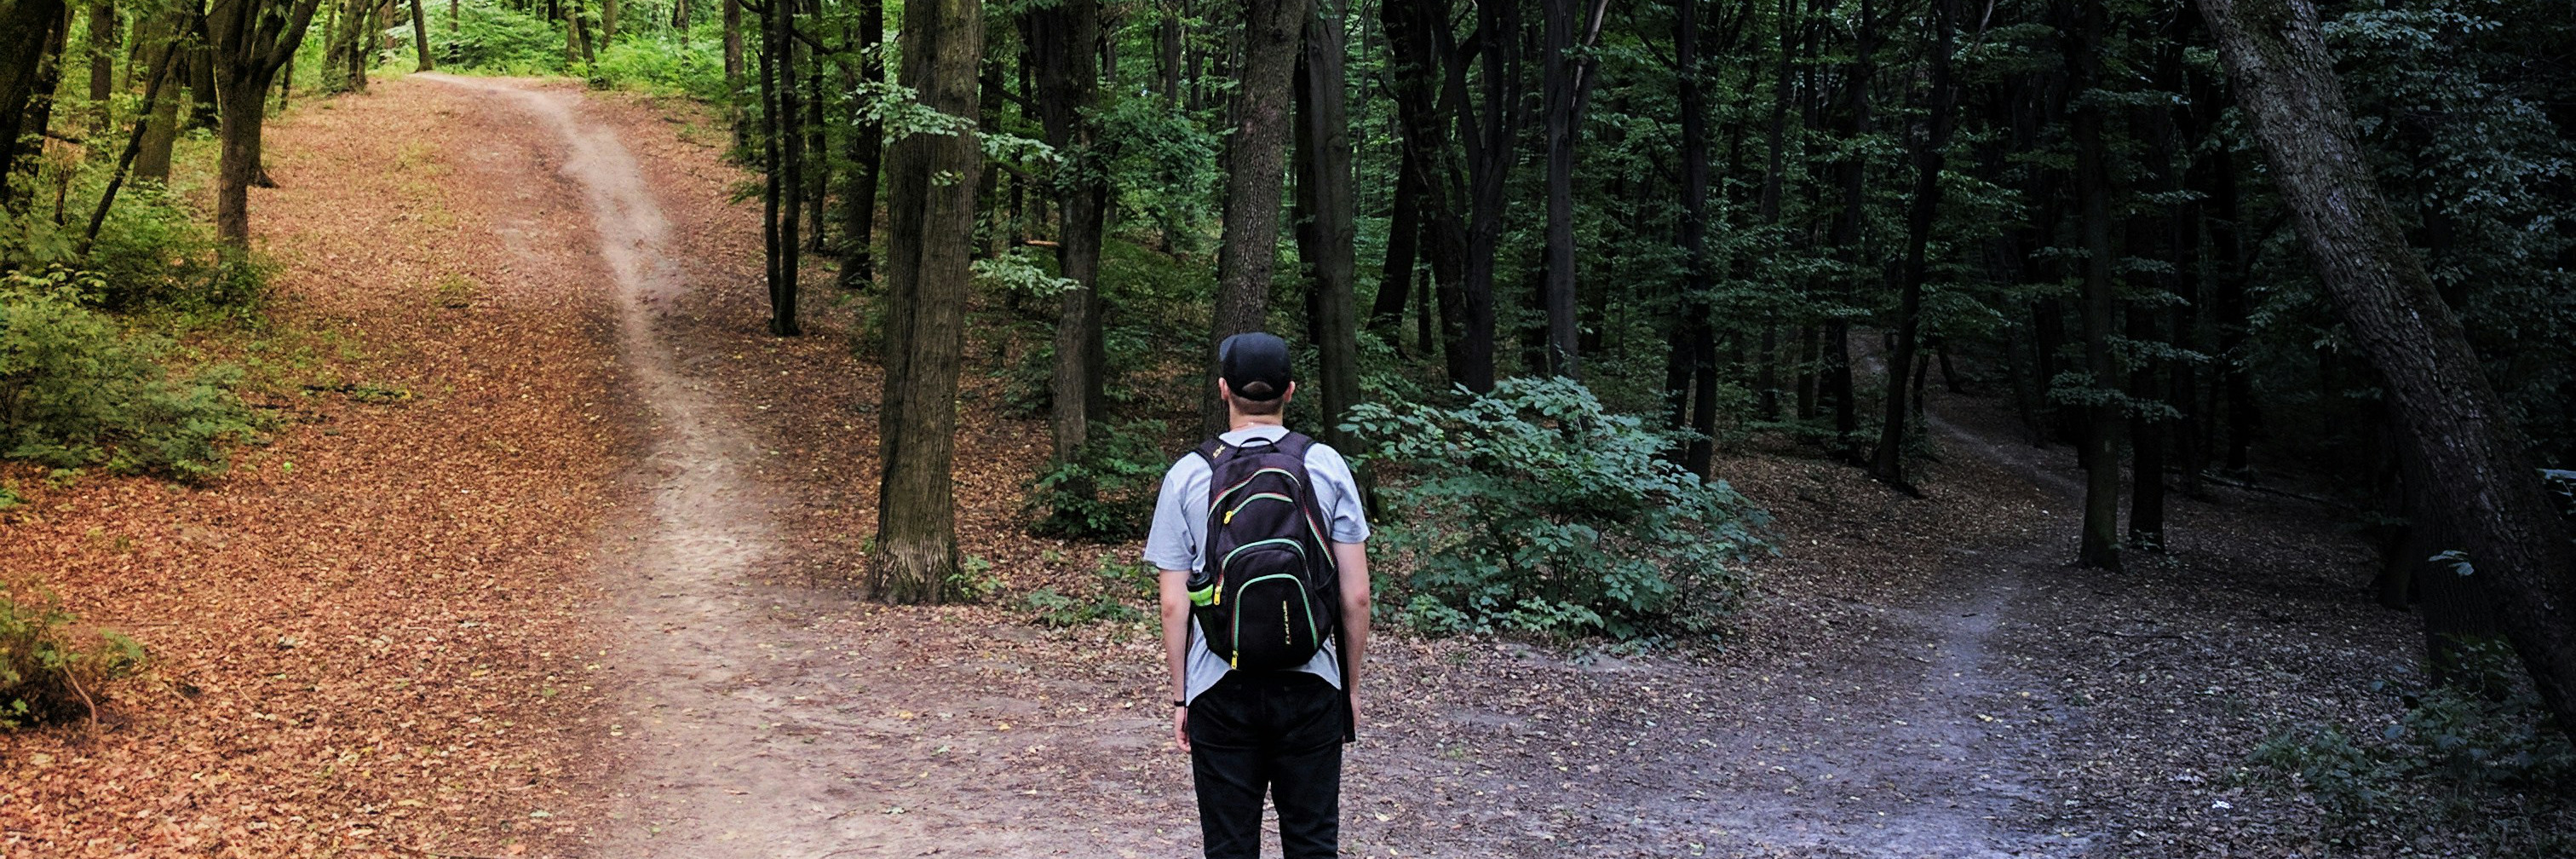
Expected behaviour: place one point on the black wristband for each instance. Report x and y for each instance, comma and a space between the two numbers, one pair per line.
1181, 704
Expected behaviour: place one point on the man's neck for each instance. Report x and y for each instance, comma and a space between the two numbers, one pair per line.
1240, 423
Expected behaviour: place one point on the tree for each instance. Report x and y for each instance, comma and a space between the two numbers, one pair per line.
251, 39
1255, 162
931, 185
1325, 234
25, 26
866, 153
1888, 462
783, 160
420, 39
1061, 40
2473, 457
2080, 29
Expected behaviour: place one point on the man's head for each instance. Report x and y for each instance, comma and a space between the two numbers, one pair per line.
1253, 373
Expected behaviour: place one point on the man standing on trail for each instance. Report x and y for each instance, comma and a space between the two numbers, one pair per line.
1265, 596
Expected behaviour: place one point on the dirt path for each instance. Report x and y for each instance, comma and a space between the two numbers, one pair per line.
1915, 680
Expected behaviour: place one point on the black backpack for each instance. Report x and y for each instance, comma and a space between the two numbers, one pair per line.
1269, 591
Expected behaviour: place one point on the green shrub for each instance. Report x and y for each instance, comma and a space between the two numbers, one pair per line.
2479, 748
51, 668
153, 252
1532, 509
494, 38
76, 391
1114, 589
1107, 491
663, 67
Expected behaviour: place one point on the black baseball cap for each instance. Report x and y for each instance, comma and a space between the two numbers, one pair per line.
1255, 365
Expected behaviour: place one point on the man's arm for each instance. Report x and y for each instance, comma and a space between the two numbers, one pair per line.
1352, 561
1175, 588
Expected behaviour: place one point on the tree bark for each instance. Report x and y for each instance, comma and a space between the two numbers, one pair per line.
1428, 85
2479, 470
1062, 43
1557, 73
1493, 139
102, 64
1888, 462
1255, 161
24, 27
1324, 180
932, 189
161, 128
250, 39
420, 39
2080, 27
867, 150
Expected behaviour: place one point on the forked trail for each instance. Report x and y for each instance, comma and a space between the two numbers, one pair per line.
1908, 684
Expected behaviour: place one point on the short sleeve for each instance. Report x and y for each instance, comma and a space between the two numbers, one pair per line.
1344, 515
1173, 544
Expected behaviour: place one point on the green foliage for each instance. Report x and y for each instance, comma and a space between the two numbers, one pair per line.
2457, 754
1107, 491
76, 391
1110, 596
494, 38
663, 66
154, 252
1533, 509
52, 669
974, 579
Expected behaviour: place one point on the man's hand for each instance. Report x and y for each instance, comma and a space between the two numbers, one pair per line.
1181, 728
1355, 710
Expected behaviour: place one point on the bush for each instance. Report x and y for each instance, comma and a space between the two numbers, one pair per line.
496, 39
153, 252
1107, 491
52, 669
1533, 509
75, 391
663, 67
2464, 754
1112, 591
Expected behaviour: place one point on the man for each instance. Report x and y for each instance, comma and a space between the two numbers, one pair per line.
1252, 732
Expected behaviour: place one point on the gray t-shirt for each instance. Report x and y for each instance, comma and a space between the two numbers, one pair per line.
1179, 538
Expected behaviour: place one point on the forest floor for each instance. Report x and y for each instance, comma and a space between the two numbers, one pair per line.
581, 585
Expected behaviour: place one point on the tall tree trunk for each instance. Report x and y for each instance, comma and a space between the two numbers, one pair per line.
102, 66
785, 147
24, 28
1493, 139
1061, 43
161, 128
2080, 26
1428, 84
733, 71
420, 39
932, 190
867, 149
608, 12
1557, 73
1255, 161
1324, 241
2479, 470
1692, 334
1888, 462
1852, 176
1395, 271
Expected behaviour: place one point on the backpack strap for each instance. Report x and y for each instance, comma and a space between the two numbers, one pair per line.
1212, 450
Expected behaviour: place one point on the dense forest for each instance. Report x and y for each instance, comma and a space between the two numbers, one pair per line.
1553, 269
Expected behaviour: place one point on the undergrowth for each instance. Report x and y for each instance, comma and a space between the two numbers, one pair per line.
1532, 509
52, 668
77, 390
2476, 760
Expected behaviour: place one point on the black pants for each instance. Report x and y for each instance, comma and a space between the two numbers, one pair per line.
1278, 733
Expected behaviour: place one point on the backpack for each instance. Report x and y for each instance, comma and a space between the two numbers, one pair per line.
1269, 591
